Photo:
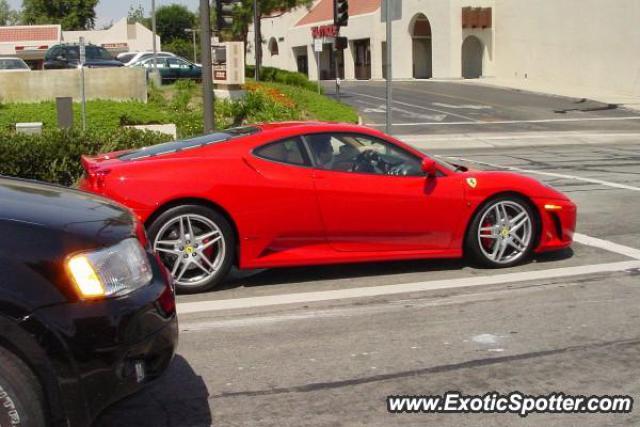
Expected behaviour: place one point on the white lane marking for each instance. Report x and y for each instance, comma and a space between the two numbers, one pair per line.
607, 245
407, 113
511, 122
552, 174
462, 106
374, 291
509, 136
406, 104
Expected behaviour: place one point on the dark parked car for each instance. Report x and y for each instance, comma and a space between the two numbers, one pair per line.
172, 69
87, 312
68, 56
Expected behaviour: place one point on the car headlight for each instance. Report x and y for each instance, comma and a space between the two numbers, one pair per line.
110, 272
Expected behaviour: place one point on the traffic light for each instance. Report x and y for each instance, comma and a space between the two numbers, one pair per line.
340, 13
224, 13
342, 43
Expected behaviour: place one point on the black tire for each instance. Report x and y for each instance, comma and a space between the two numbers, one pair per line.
21, 397
228, 236
472, 243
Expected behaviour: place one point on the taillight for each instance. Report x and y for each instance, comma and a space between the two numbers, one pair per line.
99, 177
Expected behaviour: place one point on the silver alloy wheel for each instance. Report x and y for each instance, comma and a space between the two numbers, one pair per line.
505, 232
192, 247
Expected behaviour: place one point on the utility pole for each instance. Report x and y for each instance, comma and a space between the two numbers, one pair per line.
207, 71
257, 28
154, 29
389, 68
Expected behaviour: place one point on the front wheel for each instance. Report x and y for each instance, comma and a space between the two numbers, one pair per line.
21, 400
502, 233
196, 244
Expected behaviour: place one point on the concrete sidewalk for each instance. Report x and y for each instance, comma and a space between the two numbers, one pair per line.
517, 139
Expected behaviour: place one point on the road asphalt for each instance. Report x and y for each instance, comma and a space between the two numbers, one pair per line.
325, 346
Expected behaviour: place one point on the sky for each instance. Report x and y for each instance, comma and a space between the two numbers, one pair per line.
113, 10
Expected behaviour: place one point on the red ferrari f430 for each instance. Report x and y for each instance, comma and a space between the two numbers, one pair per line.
291, 194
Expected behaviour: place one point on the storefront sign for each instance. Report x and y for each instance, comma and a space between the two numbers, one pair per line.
115, 45
324, 31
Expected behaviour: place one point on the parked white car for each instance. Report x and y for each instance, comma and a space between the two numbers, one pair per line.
132, 58
13, 64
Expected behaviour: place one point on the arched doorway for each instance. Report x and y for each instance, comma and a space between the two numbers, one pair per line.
472, 53
420, 30
273, 47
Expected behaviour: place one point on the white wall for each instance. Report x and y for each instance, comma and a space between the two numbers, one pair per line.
579, 43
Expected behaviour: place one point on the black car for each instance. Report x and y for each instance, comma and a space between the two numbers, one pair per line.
68, 56
87, 311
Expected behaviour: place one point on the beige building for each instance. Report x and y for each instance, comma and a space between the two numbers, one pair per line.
590, 44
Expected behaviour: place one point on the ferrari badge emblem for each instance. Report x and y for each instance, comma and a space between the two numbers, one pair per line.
473, 183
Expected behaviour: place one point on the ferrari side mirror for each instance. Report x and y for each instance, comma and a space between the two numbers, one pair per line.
429, 167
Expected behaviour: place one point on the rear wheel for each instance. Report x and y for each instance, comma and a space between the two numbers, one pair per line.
196, 244
502, 233
21, 398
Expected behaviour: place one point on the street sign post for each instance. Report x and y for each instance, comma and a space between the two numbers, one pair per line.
318, 44
395, 12
83, 59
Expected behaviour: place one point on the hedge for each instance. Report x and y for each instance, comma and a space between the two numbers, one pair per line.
277, 75
54, 156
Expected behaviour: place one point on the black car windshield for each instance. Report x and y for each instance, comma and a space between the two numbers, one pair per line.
95, 52
187, 144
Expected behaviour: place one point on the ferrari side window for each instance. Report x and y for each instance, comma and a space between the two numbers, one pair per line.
359, 153
288, 151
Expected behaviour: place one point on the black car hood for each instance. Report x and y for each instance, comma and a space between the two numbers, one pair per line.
87, 217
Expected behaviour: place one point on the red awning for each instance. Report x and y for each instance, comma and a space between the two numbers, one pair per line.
30, 33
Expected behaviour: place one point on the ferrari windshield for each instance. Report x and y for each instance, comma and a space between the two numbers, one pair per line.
187, 144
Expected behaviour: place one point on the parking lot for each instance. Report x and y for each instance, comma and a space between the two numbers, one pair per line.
325, 346
438, 107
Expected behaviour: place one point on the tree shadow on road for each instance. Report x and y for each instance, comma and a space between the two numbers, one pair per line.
179, 398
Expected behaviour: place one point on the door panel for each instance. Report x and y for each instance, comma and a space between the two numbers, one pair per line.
366, 212
288, 217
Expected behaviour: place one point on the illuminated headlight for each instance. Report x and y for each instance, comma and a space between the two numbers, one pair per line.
114, 271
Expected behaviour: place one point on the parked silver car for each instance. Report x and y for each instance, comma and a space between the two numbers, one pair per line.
13, 64
132, 58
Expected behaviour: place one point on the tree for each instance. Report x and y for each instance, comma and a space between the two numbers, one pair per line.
243, 17
183, 48
8, 16
172, 20
70, 14
136, 15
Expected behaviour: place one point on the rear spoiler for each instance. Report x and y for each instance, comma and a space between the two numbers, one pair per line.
95, 172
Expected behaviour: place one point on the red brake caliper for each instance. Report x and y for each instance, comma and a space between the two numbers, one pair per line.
487, 243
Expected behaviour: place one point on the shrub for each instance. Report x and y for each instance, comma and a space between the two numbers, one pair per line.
270, 74
313, 106
54, 156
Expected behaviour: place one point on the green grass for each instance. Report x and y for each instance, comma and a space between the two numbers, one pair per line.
314, 106
182, 104
101, 115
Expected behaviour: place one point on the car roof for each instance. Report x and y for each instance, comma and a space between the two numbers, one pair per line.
312, 127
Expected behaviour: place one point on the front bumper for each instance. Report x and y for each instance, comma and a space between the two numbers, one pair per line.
111, 348
558, 224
